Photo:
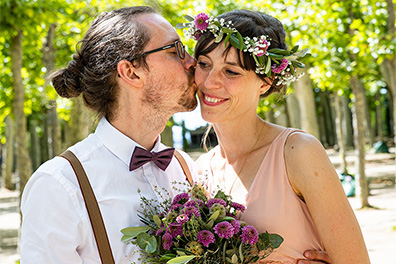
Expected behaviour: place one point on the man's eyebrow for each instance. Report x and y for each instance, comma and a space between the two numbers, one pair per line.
170, 42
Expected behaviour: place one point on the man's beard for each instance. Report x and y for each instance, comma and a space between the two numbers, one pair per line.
186, 100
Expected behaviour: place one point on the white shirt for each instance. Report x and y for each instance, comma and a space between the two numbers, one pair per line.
56, 226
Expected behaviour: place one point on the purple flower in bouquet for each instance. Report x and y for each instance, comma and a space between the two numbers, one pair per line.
249, 235
191, 210
181, 198
175, 207
183, 218
159, 232
176, 229
205, 237
236, 225
195, 203
224, 229
191, 203
201, 21
167, 241
238, 207
214, 201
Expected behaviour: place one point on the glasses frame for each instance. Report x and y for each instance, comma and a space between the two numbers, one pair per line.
181, 55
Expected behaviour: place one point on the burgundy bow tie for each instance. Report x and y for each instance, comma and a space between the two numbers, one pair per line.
141, 156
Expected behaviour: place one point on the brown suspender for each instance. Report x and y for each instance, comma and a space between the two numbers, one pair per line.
184, 166
102, 241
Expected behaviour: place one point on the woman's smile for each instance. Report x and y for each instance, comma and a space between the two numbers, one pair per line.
211, 100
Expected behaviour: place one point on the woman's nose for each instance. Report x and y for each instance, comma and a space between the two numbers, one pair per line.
212, 80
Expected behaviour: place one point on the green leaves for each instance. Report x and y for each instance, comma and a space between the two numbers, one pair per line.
269, 240
133, 232
147, 242
181, 259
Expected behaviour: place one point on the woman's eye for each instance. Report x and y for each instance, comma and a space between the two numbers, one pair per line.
202, 64
232, 72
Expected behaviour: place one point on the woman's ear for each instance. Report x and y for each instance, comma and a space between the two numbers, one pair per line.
265, 85
130, 74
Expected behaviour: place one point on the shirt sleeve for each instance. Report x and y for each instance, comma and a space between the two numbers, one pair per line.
52, 221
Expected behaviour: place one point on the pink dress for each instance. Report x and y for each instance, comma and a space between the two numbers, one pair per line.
272, 205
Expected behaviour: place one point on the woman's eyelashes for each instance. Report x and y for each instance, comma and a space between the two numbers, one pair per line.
204, 65
231, 72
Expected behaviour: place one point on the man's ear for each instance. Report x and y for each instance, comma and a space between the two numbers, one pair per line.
130, 74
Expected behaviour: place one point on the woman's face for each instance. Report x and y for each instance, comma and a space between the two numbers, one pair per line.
225, 90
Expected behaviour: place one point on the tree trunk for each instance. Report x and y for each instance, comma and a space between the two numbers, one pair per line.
24, 165
55, 129
347, 121
388, 67
48, 52
359, 129
293, 110
378, 116
167, 136
79, 121
328, 117
369, 126
34, 145
281, 117
269, 116
340, 133
44, 139
306, 100
8, 154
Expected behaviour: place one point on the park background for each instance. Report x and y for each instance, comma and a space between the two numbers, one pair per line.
346, 97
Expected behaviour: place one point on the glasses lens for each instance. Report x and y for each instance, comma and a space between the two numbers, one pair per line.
180, 49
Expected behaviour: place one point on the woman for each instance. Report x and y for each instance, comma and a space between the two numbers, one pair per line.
282, 175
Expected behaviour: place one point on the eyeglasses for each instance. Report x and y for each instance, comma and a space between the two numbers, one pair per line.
180, 50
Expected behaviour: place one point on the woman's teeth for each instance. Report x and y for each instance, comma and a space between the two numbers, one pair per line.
212, 100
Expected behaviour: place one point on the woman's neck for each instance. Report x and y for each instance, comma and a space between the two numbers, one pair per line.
238, 139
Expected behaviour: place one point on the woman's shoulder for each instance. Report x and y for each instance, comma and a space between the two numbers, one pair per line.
301, 142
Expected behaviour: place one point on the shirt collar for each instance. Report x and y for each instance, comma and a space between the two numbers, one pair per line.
118, 143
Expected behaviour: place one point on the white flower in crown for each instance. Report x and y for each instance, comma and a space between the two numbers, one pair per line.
281, 63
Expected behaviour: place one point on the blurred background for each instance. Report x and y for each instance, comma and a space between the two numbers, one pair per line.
346, 97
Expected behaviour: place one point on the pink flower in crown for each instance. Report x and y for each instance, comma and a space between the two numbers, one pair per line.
281, 67
197, 35
201, 21
263, 46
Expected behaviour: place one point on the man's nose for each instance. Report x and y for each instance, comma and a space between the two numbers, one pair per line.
189, 62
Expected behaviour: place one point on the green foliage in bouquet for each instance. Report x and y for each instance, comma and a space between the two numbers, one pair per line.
196, 229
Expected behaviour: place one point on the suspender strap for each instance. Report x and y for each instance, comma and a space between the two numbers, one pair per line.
184, 166
95, 216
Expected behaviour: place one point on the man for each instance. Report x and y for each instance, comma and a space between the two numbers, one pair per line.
133, 71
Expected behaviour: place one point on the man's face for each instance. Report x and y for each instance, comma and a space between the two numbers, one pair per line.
169, 83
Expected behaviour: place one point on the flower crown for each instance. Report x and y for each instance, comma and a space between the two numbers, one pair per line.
281, 62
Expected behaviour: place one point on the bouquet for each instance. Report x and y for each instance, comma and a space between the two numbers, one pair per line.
196, 229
